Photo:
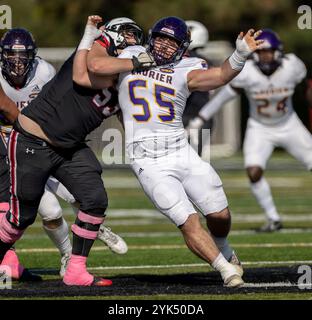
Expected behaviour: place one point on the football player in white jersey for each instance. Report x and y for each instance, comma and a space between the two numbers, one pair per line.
269, 80
169, 170
22, 76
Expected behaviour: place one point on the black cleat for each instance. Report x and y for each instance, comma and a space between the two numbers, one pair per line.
28, 276
271, 226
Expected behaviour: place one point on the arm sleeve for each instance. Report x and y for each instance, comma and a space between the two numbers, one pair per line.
226, 94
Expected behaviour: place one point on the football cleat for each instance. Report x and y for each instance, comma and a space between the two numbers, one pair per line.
101, 282
18, 272
64, 262
112, 240
77, 275
28, 276
231, 276
271, 226
234, 281
237, 264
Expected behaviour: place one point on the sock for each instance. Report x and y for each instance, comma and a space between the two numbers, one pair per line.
60, 237
85, 230
262, 192
81, 246
225, 268
224, 247
76, 272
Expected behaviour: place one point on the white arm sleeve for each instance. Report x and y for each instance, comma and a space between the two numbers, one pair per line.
226, 94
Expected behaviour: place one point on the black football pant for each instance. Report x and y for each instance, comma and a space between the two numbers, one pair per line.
32, 161
4, 173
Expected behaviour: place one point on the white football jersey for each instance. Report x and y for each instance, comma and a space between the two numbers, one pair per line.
153, 101
270, 97
41, 73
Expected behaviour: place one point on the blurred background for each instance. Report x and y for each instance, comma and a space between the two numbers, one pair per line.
60, 24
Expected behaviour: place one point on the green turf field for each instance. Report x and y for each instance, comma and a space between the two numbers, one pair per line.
156, 247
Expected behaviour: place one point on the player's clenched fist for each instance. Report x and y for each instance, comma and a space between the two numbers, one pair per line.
91, 32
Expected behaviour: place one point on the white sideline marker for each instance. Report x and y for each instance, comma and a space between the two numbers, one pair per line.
276, 285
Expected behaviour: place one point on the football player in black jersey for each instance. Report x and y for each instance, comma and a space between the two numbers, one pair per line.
49, 139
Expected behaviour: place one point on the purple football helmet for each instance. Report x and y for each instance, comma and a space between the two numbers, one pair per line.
271, 42
17, 53
173, 28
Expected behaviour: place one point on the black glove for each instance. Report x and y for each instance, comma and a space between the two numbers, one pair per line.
143, 61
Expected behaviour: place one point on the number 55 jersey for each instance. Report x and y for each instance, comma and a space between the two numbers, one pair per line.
153, 102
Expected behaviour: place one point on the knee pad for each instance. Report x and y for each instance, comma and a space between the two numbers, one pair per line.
50, 213
164, 196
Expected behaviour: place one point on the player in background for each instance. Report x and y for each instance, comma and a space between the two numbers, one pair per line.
199, 40
269, 80
169, 170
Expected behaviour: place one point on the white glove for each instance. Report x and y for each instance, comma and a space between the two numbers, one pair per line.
90, 34
245, 45
143, 61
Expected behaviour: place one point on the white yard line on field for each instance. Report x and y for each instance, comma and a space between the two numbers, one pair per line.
229, 183
171, 247
194, 265
276, 285
42, 235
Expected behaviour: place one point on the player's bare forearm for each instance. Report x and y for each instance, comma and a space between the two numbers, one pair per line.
100, 63
84, 78
81, 75
80, 71
7, 107
205, 80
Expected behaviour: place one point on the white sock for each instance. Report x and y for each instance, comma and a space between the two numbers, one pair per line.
262, 192
224, 247
225, 268
60, 237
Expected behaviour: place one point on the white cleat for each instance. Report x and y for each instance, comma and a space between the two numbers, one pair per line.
234, 281
112, 240
64, 262
231, 275
237, 264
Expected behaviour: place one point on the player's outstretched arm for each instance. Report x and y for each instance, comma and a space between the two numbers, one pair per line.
100, 62
204, 80
8, 108
81, 75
